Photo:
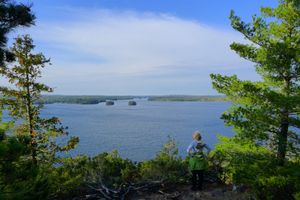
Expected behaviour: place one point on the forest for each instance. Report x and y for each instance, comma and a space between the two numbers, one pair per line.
261, 160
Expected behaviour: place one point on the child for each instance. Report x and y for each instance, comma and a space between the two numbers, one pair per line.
197, 162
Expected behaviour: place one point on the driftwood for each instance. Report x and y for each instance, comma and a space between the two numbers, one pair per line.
100, 191
96, 189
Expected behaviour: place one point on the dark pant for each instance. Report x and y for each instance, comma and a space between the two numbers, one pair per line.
197, 179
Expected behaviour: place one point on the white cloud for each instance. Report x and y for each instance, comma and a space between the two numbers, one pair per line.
144, 48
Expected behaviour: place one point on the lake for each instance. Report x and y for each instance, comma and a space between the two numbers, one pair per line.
138, 132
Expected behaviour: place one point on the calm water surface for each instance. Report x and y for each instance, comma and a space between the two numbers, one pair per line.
138, 132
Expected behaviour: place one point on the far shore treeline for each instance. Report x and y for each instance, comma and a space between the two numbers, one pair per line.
95, 99
81, 99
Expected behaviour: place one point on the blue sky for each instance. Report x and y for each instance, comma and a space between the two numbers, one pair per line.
139, 47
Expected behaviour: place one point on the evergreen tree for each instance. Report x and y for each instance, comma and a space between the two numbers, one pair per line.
267, 111
12, 15
20, 101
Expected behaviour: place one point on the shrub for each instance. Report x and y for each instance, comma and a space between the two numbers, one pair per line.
111, 170
245, 162
166, 166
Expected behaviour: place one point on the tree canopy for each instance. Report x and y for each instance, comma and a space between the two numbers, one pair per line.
267, 111
12, 16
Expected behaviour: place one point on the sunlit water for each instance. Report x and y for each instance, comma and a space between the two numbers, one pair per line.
138, 132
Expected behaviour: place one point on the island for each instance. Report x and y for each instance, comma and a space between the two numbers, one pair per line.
109, 103
132, 103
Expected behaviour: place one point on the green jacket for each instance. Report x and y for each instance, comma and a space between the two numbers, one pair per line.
197, 161
197, 158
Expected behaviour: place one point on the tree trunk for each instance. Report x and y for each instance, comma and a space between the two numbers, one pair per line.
282, 138
30, 121
284, 126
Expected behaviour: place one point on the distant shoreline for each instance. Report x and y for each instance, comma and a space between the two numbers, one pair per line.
206, 98
96, 99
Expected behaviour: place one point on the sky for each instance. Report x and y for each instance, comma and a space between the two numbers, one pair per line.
139, 47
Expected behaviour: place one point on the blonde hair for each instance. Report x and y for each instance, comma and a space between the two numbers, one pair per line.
197, 135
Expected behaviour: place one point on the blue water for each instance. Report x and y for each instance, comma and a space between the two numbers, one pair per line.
138, 132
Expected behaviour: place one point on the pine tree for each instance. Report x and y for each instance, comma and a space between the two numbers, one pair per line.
267, 111
20, 101
12, 15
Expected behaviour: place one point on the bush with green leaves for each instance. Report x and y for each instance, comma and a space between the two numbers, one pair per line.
114, 172
20, 178
111, 170
247, 163
166, 166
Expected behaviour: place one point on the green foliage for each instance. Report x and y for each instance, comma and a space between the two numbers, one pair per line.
267, 110
166, 166
245, 162
20, 99
67, 176
20, 178
264, 154
16, 171
29, 162
111, 170
235, 156
12, 15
